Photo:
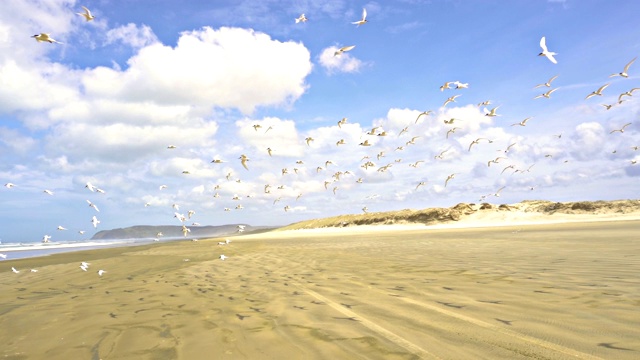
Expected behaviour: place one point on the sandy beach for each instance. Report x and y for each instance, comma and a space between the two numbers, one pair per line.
543, 291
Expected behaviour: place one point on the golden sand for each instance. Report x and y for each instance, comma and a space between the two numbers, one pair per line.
555, 291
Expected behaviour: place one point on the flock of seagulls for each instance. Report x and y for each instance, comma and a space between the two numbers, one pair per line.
404, 138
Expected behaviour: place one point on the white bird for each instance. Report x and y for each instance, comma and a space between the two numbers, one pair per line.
621, 130
100, 191
34, 270
626, 68
363, 20
85, 264
547, 84
241, 228
243, 160
451, 99
86, 14
4, 256
344, 49
90, 187
14, 270
597, 92
9, 185
84, 268
44, 37
81, 232
95, 222
61, 228
163, 187
522, 123
93, 205
546, 52
48, 192
546, 95
492, 112
46, 238
101, 272
301, 18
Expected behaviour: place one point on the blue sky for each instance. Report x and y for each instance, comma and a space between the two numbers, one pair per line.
103, 107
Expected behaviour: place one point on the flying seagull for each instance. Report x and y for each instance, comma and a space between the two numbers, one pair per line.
86, 14
363, 20
301, 18
546, 52
343, 49
44, 37
547, 84
597, 92
626, 68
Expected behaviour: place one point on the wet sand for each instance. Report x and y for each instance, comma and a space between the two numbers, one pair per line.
558, 291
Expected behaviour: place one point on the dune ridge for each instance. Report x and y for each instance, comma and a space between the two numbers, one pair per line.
470, 214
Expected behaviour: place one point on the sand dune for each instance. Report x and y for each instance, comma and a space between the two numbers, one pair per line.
555, 291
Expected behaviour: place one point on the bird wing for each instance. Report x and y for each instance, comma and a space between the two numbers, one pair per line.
551, 58
364, 14
602, 88
626, 67
543, 44
550, 80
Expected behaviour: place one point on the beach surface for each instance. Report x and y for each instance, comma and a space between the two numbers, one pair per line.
561, 290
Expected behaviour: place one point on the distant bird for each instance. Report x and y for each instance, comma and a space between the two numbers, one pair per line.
309, 140
522, 123
14, 270
217, 161
546, 95
340, 142
243, 160
449, 100
301, 18
343, 50
365, 143
81, 232
495, 161
365, 209
421, 183
441, 155
95, 221
497, 194
3, 256
171, 147
90, 186
222, 257
241, 228
363, 20
547, 84
162, 187
492, 112
477, 141
424, 113
607, 106
624, 71
269, 151
621, 129
342, 122
86, 14
256, 127
93, 205
44, 37
447, 85
9, 185
34, 270
546, 52
46, 238
452, 130
449, 178
485, 103
597, 92
61, 228
460, 85
48, 192
101, 272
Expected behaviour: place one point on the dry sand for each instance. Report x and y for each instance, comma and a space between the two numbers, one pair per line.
555, 291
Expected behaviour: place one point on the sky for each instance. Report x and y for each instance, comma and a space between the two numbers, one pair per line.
150, 92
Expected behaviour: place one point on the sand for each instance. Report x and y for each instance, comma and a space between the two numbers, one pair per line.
546, 291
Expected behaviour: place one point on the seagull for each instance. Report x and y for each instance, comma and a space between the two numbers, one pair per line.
14, 270
421, 183
162, 187
365, 143
343, 49
90, 186
449, 178
86, 14
451, 99
9, 185
495, 161
4, 256
545, 52
452, 130
172, 147
425, 113
363, 20
460, 85
621, 129
34, 270
497, 194
256, 127
484, 103
547, 84
93, 205
546, 95
61, 228
243, 160
340, 142
626, 93
309, 140
492, 112
42, 37
522, 123
597, 92
217, 161
81, 232
101, 272
95, 221
626, 68
447, 85
439, 156
48, 192
301, 18
342, 122
477, 141
46, 238
222, 257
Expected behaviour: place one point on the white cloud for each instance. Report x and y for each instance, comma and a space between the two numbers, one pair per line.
344, 62
132, 35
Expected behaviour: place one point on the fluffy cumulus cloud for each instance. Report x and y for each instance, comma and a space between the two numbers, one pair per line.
132, 35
